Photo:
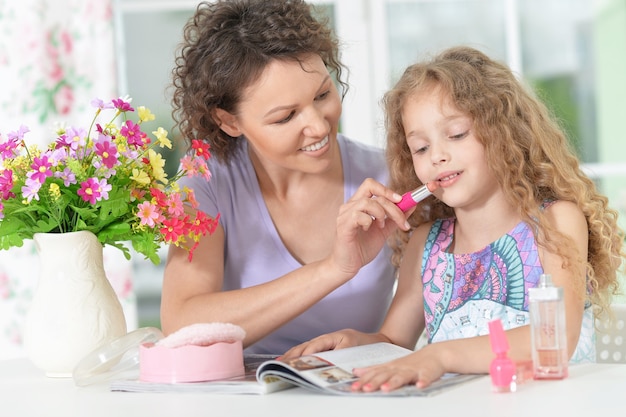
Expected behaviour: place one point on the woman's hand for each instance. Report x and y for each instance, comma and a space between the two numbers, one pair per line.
364, 223
421, 368
333, 341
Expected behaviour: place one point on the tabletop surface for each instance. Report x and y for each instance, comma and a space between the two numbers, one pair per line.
596, 388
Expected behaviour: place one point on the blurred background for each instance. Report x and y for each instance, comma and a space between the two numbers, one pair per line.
573, 53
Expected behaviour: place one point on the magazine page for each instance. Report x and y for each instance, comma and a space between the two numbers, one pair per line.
331, 372
245, 384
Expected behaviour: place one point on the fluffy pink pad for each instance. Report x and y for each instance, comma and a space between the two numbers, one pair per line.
203, 334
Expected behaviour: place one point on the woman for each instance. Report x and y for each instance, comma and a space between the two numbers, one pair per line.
294, 256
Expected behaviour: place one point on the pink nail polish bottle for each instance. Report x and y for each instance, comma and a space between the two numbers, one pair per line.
502, 369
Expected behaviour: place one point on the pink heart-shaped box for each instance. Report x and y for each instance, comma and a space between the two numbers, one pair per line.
190, 363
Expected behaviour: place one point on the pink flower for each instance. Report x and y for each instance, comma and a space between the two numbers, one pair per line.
7, 149
148, 213
107, 151
187, 164
6, 184
201, 148
132, 132
41, 169
175, 205
122, 105
90, 190
172, 229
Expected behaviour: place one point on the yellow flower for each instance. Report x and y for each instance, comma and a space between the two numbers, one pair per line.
140, 177
55, 191
157, 163
145, 114
161, 135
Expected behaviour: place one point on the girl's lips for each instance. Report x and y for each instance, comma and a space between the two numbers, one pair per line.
448, 178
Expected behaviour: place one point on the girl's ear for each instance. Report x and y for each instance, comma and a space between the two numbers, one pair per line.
227, 122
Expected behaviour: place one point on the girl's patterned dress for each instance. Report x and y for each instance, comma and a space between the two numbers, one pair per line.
463, 292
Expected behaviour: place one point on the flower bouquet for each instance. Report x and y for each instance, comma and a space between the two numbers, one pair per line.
107, 179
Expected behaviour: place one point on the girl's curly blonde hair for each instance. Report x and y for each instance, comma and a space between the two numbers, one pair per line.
526, 150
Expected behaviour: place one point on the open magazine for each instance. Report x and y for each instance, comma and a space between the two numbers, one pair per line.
326, 373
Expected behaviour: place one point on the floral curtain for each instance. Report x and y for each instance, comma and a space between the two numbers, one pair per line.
55, 57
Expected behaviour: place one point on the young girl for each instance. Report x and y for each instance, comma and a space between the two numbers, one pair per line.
512, 203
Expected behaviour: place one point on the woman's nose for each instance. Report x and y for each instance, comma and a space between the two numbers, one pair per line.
315, 121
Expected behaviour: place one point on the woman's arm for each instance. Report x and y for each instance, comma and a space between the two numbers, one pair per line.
192, 291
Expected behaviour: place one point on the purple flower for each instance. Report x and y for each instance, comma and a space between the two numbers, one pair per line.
67, 176
31, 189
73, 138
19, 134
103, 188
101, 104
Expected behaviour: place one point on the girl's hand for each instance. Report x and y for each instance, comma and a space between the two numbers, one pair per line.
363, 225
332, 341
421, 368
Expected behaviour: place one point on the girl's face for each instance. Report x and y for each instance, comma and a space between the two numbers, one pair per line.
444, 149
290, 115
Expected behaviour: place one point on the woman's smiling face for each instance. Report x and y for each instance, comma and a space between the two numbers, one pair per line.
290, 115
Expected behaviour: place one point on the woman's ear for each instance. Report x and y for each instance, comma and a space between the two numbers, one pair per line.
227, 122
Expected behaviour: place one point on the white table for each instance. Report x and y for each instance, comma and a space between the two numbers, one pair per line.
597, 389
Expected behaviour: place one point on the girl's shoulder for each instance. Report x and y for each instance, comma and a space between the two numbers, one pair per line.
565, 215
435, 228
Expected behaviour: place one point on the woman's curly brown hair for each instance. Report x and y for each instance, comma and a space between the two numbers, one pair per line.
526, 150
226, 46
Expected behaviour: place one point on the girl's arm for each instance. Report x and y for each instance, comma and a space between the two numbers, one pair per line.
192, 291
474, 355
404, 321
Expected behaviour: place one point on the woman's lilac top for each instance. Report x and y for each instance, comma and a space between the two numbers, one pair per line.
255, 254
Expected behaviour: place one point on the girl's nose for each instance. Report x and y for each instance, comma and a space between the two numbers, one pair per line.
439, 154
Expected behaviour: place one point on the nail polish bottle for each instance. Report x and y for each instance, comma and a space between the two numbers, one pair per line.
502, 369
548, 330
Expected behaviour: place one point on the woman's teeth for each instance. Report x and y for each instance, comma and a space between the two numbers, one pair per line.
316, 146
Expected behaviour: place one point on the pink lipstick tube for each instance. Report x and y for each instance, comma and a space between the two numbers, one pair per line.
411, 198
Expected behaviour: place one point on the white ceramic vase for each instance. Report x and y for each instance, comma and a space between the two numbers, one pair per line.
74, 309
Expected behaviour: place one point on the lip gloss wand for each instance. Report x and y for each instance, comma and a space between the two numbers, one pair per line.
411, 198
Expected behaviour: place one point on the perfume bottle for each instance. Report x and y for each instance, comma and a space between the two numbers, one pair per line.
548, 331
502, 368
